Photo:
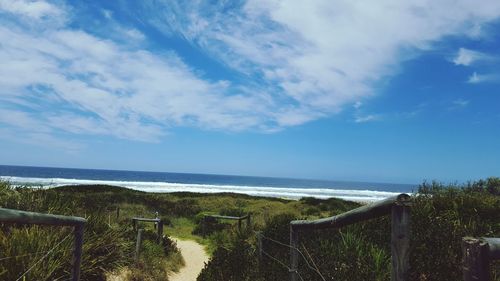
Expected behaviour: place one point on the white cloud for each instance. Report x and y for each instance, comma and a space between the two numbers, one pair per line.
460, 103
321, 54
311, 59
366, 118
115, 90
31, 9
476, 78
467, 57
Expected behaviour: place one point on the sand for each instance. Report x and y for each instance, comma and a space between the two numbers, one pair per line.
194, 256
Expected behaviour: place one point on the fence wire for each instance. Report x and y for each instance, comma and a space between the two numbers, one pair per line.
30, 254
283, 264
44, 257
315, 268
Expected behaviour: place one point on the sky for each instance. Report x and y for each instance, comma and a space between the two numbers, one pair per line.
383, 91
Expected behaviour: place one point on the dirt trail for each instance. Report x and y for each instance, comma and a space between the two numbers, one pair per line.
194, 256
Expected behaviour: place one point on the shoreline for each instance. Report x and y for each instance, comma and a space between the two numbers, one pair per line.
362, 196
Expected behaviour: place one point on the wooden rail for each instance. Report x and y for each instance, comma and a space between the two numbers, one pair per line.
23, 217
239, 219
399, 209
477, 253
158, 222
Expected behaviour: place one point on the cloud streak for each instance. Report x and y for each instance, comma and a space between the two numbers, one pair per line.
301, 60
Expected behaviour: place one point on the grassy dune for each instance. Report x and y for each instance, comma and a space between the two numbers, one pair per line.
441, 215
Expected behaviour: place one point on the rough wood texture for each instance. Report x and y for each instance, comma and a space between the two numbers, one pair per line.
146, 220
475, 259
294, 255
157, 222
138, 243
248, 222
23, 217
77, 252
226, 217
160, 232
259, 245
400, 242
370, 211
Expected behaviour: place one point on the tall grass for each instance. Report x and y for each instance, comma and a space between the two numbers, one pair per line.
441, 216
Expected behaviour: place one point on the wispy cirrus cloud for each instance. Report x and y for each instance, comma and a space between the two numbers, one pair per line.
301, 60
467, 57
476, 78
366, 118
76, 82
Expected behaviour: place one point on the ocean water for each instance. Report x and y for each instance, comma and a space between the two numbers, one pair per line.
203, 183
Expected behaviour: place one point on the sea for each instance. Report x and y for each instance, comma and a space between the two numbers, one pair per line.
48, 177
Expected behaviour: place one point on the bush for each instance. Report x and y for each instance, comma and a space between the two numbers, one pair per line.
441, 216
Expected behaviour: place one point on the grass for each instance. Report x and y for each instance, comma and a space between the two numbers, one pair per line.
440, 217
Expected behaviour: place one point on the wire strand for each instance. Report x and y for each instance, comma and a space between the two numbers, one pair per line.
298, 250
42, 258
283, 264
312, 261
29, 255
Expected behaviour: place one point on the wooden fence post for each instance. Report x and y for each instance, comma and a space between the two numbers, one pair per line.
160, 231
77, 253
475, 259
400, 241
204, 226
248, 222
138, 244
239, 225
156, 217
134, 224
259, 245
294, 254
117, 213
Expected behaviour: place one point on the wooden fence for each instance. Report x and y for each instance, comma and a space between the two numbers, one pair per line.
158, 225
239, 219
477, 253
22, 217
399, 209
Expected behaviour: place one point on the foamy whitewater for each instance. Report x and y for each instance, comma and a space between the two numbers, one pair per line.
280, 192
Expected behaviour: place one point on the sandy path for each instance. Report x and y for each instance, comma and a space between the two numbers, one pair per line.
194, 256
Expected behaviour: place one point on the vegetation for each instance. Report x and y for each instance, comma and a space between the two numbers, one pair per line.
441, 216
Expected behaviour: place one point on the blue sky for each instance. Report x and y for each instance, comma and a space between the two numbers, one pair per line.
389, 91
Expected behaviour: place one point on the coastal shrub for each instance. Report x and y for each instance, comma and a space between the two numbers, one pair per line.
236, 262
208, 225
104, 248
441, 216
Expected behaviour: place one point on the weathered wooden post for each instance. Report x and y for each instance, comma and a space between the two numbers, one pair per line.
117, 213
239, 224
400, 240
259, 245
204, 226
134, 224
138, 244
294, 254
77, 253
248, 222
156, 217
475, 259
160, 231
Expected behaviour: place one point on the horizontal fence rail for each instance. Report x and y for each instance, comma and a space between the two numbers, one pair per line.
477, 254
399, 209
158, 225
239, 219
11, 216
